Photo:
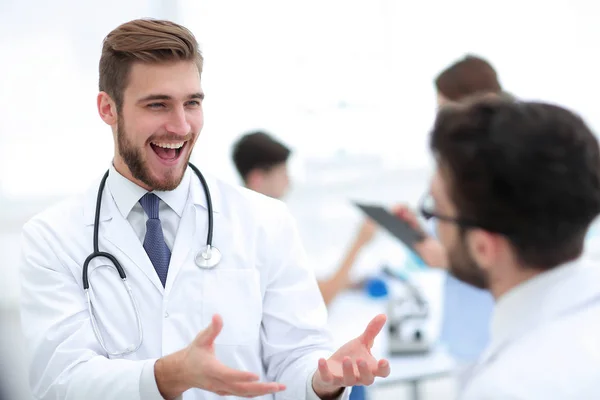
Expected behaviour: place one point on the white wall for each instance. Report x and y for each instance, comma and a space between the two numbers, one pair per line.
325, 76
356, 75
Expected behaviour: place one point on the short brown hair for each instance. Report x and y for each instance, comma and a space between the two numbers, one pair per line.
490, 97
468, 76
258, 150
146, 41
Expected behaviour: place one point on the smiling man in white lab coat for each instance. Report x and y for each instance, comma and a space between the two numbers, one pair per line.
253, 326
516, 188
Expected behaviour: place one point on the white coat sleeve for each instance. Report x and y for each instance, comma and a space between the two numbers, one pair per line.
294, 330
65, 360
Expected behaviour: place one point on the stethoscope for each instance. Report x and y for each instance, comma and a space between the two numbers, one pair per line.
208, 257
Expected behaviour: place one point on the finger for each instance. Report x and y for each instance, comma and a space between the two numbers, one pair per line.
365, 375
208, 335
349, 378
398, 208
253, 389
412, 220
407, 215
256, 389
331, 378
373, 329
226, 374
324, 372
383, 368
401, 211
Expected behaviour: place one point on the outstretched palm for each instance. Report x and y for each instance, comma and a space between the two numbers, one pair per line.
352, 364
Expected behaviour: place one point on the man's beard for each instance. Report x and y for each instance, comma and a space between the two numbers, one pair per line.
133, 158
464, 268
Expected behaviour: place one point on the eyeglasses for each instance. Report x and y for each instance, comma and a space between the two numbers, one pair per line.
427, 210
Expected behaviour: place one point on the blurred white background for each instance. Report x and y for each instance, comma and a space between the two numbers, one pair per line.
347, 84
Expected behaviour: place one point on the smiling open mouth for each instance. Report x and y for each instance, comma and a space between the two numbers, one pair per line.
167, 151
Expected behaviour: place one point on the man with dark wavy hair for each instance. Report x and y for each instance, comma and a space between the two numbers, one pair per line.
516, 188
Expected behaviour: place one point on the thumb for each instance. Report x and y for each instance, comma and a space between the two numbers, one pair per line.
208, 335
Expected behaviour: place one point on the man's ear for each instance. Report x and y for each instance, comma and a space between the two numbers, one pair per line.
254, 179
107, 108
486, 248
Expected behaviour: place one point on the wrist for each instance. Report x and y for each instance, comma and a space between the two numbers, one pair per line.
325, 392
170, 375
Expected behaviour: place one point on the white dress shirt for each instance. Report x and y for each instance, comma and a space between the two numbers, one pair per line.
127, 196
545, 340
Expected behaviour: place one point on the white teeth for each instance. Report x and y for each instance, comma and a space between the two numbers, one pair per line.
169, 145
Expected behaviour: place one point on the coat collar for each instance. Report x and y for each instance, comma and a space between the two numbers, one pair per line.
541, 299
120, 195
115, 230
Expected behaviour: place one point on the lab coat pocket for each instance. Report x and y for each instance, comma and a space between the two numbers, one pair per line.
113, 310
235, 295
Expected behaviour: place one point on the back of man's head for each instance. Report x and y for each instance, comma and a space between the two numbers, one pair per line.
529, 171
261, 162
258, 150
466, 77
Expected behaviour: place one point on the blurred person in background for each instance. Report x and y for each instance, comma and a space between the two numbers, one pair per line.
262, 163
515, 190
467, 309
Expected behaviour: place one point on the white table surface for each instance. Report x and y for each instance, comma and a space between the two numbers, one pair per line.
351, 311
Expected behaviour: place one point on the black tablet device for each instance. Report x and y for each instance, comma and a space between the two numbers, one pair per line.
393, 224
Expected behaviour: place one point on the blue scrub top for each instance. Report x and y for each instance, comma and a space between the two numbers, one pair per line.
466, 322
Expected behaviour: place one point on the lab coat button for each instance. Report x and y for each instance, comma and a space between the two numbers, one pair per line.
166, 314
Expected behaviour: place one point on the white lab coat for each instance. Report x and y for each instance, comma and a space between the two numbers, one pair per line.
545, 340
274, 317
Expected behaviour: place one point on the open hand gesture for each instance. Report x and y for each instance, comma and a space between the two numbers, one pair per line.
353, 364
206, 372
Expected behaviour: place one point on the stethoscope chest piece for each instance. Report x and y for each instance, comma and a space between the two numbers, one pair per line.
208, 257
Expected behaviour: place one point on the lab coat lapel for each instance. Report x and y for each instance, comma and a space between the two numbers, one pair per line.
117, 230
193, 227
185, 241
120, 233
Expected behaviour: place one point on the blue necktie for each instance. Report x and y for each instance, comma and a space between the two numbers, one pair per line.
154, 242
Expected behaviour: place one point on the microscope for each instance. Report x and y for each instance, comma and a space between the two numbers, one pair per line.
408, 314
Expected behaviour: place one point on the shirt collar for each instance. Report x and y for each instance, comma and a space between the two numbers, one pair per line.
543, 298
126, 193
